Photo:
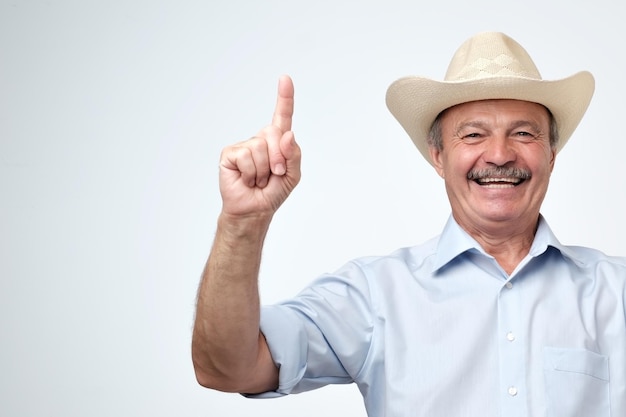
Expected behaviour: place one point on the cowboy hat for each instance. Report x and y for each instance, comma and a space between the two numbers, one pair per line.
490, 65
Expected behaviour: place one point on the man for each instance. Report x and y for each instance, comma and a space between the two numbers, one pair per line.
492, 318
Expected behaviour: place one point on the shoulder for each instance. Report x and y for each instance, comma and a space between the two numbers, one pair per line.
597, 265
589, 256
410, 257
399, 262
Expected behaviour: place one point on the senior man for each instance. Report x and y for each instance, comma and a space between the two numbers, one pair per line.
494, 317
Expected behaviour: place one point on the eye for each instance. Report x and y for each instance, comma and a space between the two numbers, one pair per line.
524, 135
472, 132
473, 135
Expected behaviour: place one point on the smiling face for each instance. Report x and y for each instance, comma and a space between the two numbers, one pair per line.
496, 161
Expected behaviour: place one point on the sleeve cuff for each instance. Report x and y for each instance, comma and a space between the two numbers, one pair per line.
287, 342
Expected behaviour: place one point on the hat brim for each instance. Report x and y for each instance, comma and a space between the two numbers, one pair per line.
416, 101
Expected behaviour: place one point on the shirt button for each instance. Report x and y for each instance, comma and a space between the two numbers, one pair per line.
509, 285
512, 391
510, 336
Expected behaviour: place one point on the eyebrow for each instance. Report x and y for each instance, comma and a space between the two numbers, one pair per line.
472, 123
513, 125
521, 123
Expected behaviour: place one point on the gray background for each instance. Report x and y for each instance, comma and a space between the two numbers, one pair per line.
112, 118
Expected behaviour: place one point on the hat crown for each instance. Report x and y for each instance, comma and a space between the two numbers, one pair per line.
491, 54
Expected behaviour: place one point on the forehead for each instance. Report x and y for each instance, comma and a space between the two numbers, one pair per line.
497, 109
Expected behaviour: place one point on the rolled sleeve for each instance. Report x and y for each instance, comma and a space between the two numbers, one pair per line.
287, 342
322, 336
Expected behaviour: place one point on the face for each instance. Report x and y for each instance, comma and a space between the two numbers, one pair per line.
496, 161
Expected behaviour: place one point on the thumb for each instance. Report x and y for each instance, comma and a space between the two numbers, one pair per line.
292, 153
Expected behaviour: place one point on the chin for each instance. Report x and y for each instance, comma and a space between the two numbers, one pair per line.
505, 216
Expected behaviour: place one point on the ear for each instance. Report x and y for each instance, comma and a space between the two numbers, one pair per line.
436, 158
553, 159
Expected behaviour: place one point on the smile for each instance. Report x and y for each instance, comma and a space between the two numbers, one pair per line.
499, 177
499, 182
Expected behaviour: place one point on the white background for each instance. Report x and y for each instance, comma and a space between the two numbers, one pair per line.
112, 118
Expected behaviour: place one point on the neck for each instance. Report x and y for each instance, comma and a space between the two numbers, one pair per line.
507, 242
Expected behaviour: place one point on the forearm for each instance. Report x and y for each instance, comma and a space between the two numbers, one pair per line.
227, 346
256, 176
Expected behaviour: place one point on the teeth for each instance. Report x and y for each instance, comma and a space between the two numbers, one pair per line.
511, 180
499, 182
498, 185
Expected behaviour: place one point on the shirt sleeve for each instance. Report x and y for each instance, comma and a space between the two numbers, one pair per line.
323, 335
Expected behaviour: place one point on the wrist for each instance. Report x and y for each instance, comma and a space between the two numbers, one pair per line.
248, 227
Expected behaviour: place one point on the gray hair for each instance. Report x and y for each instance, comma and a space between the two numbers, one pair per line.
435, 137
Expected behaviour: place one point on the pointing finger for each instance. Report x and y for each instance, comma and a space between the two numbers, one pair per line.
283, 113
272, 135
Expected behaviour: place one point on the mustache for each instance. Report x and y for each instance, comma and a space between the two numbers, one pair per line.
499, 172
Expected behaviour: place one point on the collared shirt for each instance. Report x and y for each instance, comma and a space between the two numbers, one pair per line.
441, 330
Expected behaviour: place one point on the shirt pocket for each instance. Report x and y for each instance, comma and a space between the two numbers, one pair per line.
577, 383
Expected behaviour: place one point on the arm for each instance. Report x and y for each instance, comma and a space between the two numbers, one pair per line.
256, 176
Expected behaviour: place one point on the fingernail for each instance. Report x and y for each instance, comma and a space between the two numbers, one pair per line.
279, 169
261, 182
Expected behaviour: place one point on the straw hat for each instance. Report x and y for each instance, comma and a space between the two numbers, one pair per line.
490, 65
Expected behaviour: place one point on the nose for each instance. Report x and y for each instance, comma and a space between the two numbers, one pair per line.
499, 151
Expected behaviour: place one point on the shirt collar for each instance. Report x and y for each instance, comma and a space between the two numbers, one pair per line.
545, 238
455, 241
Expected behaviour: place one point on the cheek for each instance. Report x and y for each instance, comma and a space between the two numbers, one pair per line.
458, 159
459, 164
545, 163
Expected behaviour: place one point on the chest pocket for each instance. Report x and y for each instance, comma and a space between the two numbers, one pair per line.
577, 383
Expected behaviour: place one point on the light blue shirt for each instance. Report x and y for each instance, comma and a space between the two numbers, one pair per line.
440, 330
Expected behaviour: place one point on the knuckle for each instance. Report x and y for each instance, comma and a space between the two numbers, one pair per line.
271, 132
256, 144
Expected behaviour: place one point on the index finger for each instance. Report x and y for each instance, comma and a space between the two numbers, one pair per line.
283, 112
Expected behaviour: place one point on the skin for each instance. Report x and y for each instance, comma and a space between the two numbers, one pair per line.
256, 176
502, 216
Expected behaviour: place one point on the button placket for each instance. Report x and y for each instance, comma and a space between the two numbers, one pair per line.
512, 353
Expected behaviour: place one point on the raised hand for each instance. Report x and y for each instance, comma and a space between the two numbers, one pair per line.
257, 175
